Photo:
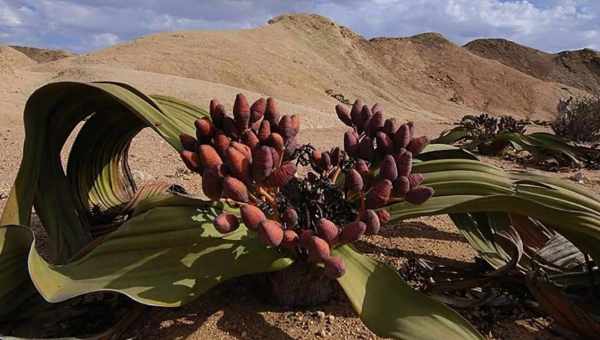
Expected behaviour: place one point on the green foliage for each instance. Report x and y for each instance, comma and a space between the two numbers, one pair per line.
578, 120
489, 136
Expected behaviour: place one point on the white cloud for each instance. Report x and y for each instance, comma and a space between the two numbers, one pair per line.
87, 24
8, 16
104, 40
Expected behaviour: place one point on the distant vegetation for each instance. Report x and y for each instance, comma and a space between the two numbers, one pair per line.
506, 136
578, 119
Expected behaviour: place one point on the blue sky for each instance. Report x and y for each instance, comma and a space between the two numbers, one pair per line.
86, 25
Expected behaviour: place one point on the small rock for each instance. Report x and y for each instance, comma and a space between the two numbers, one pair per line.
244, 334
321, 315
322, 333
578, 177
331, 318
140, 177
3, 196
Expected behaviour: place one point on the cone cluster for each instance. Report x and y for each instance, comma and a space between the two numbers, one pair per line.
240, 152
383, 150
250, 157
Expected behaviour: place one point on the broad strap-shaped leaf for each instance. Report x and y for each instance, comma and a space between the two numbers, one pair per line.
464, 186
391, 308
166, 256
97, 171
444, 151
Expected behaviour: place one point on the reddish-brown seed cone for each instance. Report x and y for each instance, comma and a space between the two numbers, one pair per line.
241, 112
384, 216
353, 181
243, 148
188, 142
221, 142
325, 162
401, 186
375, 124
388, 169
404, 164
318, 249
291, 145
335, 267
296, 124
282, 175
257, 110
204, 130
402, 137
208, 157
290, 217
235, 189
262, 165
352, 232
212, 182
362, 167
191, 160
285, 128
316, 156
366, 149
351, 142
304, 237
385, 145
328, 230
290, 239
230, 128
217, 113
343, 114
272, 111
390, 126
415, 180
270, 232
377, 108
238, 164
355, 112
417, 145
276, 157
226, 223
336, 156
371, 220
252, 216
419, 195
276, 140
365, 117
249, 138
411, 129
380, 194
264, 131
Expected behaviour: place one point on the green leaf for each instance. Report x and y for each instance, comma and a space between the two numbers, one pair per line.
444, 151
391, 308
97, 173
166, 257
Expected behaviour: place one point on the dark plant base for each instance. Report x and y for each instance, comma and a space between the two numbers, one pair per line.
301, 285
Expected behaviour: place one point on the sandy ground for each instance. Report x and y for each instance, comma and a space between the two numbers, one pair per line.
234, 311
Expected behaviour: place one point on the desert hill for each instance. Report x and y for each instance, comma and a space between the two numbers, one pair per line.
11, 59
305, 60
299, 57
580, 69
43, 55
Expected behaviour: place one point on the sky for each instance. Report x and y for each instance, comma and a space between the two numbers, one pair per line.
87, 25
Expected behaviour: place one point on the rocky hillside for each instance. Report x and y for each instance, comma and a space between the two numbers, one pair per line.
43, 55
580, 69
302, 58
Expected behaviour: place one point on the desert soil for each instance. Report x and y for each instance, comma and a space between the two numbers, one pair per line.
296, 59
